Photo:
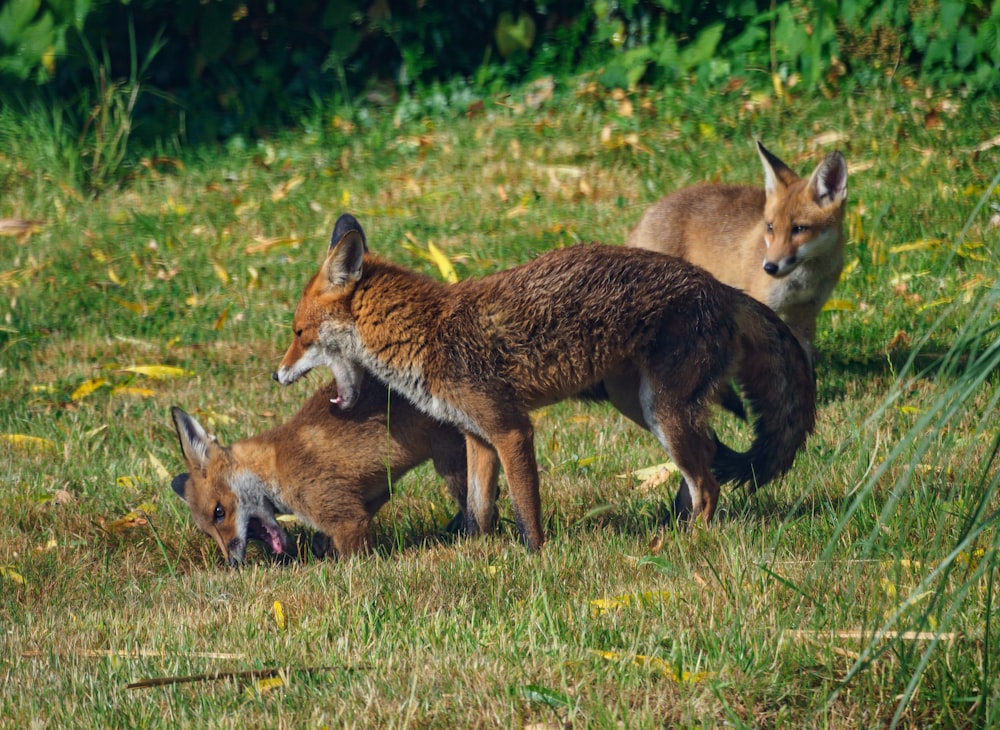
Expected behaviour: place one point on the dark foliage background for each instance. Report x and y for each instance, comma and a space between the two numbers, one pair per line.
209, 69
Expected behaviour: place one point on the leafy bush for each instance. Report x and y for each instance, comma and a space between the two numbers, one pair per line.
244, 66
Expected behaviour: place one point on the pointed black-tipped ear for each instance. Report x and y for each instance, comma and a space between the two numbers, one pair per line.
194, 441
343, 263
179, 485
345, 223
829, 180
776, 173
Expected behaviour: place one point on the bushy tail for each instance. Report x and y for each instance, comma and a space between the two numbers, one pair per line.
777, 380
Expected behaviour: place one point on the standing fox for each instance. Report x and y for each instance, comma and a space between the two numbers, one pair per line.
662, 335
332, 469
783, 245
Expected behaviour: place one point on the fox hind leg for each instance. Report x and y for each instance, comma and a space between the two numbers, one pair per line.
677, 425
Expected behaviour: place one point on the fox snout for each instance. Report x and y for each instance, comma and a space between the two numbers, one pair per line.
236, 553
782, 267
284, 376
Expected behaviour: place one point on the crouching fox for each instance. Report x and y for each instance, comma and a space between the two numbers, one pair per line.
331, 468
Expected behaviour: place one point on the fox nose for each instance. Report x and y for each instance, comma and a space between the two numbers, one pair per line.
274, 376
769, 266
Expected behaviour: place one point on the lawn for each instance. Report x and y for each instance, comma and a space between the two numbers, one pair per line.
857, 591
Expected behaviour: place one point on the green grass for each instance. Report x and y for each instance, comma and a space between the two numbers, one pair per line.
886, 523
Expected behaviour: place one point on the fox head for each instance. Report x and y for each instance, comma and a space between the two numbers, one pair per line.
227, 502
323, 330
803, 218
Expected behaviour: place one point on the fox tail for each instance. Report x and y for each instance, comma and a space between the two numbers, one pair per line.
776, 377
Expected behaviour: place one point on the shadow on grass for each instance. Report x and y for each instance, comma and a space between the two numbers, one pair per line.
834, 370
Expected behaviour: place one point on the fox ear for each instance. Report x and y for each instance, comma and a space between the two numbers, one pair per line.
194, 441
345, 223
776, 173
829, 181
179, 485
343, 263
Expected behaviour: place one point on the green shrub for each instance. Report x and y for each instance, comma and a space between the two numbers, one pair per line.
245, 66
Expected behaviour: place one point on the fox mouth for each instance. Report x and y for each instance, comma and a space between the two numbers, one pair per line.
269, 532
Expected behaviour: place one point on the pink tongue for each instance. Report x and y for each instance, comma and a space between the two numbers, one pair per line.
275, 539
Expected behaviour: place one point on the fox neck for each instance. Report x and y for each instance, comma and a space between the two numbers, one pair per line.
255, 474
397, 334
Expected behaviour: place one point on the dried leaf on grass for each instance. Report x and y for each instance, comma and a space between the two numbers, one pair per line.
157, 372
434, 255
88, 387
263, 245
161, 471
133, 390
22, 440
602, 606
263, 686
988, 144
20, 228
656, 664
135, 518
281, 191
17, 226
12, 575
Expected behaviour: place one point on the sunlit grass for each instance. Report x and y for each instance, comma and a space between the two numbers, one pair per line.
855, 592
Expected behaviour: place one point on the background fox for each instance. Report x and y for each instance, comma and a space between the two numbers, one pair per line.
330, 468
783, 245
663, 335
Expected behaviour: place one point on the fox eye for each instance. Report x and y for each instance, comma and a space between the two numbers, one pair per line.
796, 230
770, 227
298, 333
219, 514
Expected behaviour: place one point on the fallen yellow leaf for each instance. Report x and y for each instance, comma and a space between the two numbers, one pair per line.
279, 615
12, 575
161, 471
442, 262
20, 439
921, 244
650, 472
657, 664
262, 686
157, 372
839, 305
601, 606
133, 390
220, 273
88, 387
134, 307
